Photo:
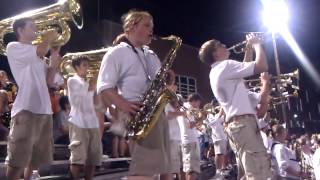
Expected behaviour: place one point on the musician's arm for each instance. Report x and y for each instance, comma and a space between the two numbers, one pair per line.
265, 91
248, 56
261, 64
44, 46
111, 97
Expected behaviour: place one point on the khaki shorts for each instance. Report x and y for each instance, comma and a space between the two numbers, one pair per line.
220, 147
176, 156
30, 140
246, 142
191, 157
151, 155
85, 145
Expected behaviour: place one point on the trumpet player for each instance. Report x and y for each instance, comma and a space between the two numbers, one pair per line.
189, 139
172, 113
220, 141
226, 79
30, 138
84, 133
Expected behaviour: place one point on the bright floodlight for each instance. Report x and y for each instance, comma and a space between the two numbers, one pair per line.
275, 14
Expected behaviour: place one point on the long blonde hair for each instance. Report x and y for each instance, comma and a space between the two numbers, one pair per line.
133, 17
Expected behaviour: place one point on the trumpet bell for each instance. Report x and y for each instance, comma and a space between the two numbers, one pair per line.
75, 11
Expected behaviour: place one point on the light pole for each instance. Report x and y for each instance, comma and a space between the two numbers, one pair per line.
275, 16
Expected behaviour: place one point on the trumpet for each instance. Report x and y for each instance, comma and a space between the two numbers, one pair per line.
201, 114
283, 80
241, 47
283, 98
49, 18
238, 48
281, 77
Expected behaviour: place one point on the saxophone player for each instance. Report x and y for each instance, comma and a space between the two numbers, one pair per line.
226, 79
131, 66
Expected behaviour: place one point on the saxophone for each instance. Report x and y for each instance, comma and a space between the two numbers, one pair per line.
155, 98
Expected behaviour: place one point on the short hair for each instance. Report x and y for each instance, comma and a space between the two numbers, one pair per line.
132, 18
63, 102
206, 50
78, 60
303, 140
194, 97
277, 129
3, 73
19, 23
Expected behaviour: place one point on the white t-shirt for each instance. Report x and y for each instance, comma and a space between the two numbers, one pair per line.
267, 141
82, 111
174, 129
217, 128
188, 135
308, 158
227, 84
285, 158
121, 67
30, 73
316, 163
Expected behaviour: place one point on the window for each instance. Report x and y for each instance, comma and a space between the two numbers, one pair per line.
186, 85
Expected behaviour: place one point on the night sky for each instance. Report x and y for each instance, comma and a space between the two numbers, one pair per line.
198, 21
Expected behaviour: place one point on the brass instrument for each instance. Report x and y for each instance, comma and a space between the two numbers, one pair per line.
95, 58
282, 78
52, 17
201, 114
288, 87
238, 48
241, 47
155, 98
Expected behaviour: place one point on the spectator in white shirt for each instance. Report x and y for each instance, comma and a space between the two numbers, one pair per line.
306, 152
4, 114
30, 142
316, 163
84, 133
284, 159
227, 84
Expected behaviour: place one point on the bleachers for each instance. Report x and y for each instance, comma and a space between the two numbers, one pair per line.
60, 166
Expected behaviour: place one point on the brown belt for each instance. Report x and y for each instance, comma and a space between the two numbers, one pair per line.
238, 117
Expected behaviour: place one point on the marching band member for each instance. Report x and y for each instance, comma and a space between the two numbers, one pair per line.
189, 139
226, 79
84, 132
130, 66
30, 138
220, 141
